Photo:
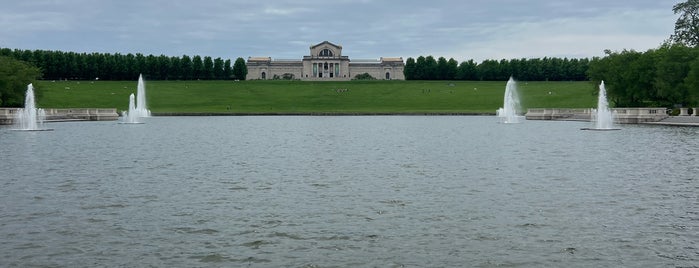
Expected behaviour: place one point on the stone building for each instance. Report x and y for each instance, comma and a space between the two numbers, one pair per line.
325, 63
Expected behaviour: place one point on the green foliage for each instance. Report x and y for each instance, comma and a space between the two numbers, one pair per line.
208, 69
227, 70
240, 70
364, 76
687, 25
285, 76
409, 69
666, 77
546, 69
197, 67
15, 75
59, 65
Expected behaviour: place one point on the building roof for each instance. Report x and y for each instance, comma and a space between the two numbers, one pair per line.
259, 58
392, 59
326, 42
365, 61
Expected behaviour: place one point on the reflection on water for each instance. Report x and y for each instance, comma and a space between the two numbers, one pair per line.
348, 191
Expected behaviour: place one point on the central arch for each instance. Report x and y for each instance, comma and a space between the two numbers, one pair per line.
325, 53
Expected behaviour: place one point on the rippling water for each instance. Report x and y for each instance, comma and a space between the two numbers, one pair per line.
379, 191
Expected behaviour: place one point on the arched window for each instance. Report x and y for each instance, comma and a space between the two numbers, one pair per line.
388, 76
325, 53
263, 76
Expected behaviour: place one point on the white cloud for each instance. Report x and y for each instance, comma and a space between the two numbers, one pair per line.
564, 37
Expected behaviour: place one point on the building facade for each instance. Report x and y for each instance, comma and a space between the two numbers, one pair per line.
325, 63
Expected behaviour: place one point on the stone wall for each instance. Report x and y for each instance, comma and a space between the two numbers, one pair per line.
7, 115
621, 115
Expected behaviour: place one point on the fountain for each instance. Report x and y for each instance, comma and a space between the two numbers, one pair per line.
141, 108
30, 118
131, 116
137, 105
602, 117
508, 113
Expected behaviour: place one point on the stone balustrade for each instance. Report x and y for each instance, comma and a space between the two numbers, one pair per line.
621, 115
7, 115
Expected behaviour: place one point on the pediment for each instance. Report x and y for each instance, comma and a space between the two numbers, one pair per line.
326, 43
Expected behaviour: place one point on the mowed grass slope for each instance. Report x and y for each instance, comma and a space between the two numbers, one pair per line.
301, 97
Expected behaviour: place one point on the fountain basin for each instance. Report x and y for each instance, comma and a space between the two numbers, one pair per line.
600, 129
32, 130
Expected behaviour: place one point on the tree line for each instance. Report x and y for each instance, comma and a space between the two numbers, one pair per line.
546, 69
664, 77
56, 65
667, 76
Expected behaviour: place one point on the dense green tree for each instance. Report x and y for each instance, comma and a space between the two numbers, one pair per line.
692, 83
218, 69
364, 76
15, 75
240, 70
687, 25
420, 71
227, 69
197, 67
430, 68
175, 70
452, 67
628, 75
409, 69
186, 69
441, 69
208, 71
672, 68
164, 65
467, 70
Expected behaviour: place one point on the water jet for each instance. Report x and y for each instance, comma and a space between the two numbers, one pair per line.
30, 118
508, 113
602, 117
137, 105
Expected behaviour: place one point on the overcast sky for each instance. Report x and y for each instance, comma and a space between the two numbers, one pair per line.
285, 29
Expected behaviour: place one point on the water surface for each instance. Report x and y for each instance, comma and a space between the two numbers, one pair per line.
348, 191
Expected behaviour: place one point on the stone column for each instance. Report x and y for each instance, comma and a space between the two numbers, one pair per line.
683, 111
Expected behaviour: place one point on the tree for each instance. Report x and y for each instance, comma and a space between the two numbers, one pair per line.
452, 67
409, 69
687, 25
240, 70
672, 68
430, 68
441, 69
197, 67
419, 72
628, 75
15, 75
218, 69
692, 82
208, 72
364, 76
227, 70
186, 68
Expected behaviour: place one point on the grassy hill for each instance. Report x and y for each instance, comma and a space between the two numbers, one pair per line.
300, 97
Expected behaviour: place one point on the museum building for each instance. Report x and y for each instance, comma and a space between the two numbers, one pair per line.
325, 63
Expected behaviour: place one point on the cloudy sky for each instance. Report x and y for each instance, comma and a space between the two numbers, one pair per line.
285, 29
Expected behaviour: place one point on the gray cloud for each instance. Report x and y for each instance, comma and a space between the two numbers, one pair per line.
366, 29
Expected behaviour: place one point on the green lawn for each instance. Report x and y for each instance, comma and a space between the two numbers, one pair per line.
313, 97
